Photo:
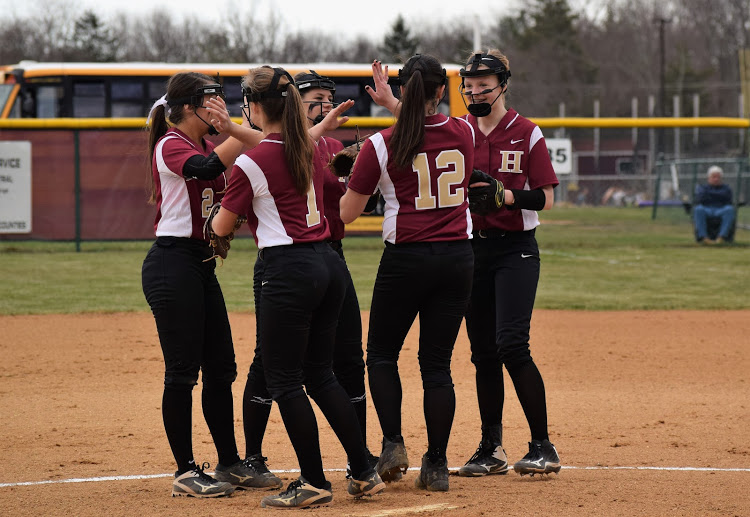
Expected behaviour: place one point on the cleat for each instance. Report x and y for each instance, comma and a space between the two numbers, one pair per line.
433, 476
488, 459
196, 483
299, 494
372, 460
251, 472
541, 459
393, 463
371, 484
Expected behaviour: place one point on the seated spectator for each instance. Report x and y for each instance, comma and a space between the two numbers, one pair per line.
713, 199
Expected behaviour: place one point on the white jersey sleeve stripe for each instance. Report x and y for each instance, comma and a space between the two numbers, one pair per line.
176, 218
536, 135
271, 231
387, 190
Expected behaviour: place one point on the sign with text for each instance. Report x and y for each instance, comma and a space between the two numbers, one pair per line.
15, 187
561, 154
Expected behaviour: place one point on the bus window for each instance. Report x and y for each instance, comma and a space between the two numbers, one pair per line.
89, 100
155, 90
355, 91
47, 102
233, 91
5, 90
127, 99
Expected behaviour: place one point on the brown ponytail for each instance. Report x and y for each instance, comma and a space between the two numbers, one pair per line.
179, 86
288, 109
421, 77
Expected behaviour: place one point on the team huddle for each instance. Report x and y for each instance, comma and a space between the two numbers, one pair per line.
460, 199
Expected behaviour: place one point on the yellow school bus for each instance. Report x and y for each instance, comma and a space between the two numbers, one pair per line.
127, 90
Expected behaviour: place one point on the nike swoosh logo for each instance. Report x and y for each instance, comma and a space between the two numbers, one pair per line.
515, 141
523, 255
264, 283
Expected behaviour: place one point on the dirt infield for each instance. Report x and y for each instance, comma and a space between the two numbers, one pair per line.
649, 412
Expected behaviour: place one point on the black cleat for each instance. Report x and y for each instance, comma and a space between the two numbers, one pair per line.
488, 459
541, 459
433, 476
251, 472
393, 462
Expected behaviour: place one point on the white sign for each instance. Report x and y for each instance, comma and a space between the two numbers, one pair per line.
15, 187
561, 154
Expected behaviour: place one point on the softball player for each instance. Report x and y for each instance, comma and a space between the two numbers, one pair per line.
187, 176
421, 166
279, 186
317, 94
512, 150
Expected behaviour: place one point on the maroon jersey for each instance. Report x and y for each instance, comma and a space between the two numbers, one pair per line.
334, 186
182, 204
261, 187
426, 201
516, 154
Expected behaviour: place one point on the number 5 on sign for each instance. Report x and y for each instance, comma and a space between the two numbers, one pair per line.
561, 153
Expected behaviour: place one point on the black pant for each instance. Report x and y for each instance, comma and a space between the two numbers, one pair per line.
302, 291
191, 317
348, 356
506, 274
432, 280
193, 326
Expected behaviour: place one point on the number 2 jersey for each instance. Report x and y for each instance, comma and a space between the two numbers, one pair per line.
261, 187
427, 200
182, 204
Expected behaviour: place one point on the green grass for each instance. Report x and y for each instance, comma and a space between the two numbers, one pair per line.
592, 259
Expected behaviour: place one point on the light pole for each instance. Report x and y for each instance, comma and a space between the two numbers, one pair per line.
662, 72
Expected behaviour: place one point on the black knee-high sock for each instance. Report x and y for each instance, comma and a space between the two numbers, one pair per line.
218, 411
360, 408
176, 410
491, 396
530, 389
385, 388
439, 408
339, 411
255, 413
302, 428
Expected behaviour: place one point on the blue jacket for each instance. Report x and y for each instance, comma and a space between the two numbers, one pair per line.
715, 196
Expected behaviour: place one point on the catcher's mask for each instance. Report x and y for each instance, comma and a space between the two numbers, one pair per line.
494, 67
404, 74
196, 100
311, 81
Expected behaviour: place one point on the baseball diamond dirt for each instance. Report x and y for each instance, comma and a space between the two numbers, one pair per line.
648, 410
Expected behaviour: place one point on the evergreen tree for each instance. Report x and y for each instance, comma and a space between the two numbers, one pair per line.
399, 44
92, 39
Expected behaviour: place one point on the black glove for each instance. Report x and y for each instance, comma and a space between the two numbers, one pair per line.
483, 200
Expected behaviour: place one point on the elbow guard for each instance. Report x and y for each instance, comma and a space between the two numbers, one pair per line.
372, 203
528, 199
203, 167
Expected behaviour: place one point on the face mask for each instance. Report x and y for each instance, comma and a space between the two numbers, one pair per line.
480, 110
483, 109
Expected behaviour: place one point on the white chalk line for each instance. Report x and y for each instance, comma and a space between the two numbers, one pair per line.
296, 471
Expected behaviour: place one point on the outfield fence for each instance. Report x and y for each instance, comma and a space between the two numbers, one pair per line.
89, 176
